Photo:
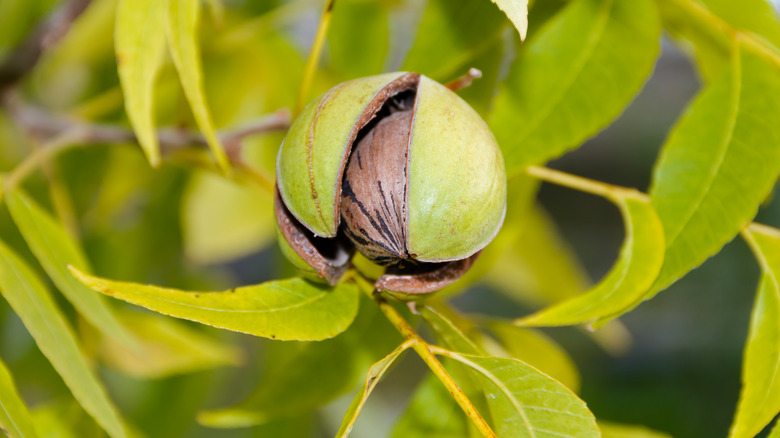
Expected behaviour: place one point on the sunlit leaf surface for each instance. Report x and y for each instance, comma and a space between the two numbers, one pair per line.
139, 41
573, 77
718, 164
760, 397
29, 298
517, 11
293, 309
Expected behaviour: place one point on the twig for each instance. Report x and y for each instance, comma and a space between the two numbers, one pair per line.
424, 350
57, 133
26, 55
465, 80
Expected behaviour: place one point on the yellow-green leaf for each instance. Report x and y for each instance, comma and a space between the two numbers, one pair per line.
15, 418
140, 43
759, 400
617, 430
375, 373
640, 261
573, 77
517, 11
719, 163
29, 298
292, 309
538, 350
167, 347
55, 250
527, 403
181, 25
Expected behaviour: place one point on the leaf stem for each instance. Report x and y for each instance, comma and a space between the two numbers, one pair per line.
425, 351
314, 56
598, 188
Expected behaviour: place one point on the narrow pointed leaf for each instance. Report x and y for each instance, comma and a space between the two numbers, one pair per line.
759, 400
536, 349
638, 265
29, 298
719, 163
448, 333
167, 347
140, 44
593, 51
292, 309
55, 250
527, 403
181, 25
517, 11
375, 373
15, 418
432, 413
616, 430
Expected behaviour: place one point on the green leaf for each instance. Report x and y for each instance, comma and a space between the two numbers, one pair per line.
15, 419
223, 221
181, 23
29, 298
527, 403
292, 309
375, 373
167, 347
573, 77
140, 43
638, 265
538, 350
720, 161
55, 249
775, 433
304, 376
359, 38
432, 413
759, 400
450, 38
616, 430
757, 16
448, 333
517, 11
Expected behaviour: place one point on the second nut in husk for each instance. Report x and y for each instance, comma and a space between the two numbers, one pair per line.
398, 167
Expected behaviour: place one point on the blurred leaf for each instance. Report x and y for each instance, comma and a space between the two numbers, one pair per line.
616, 430
63, 419
526, 403
432, 413
759, 400
574, 77
536, 349
637, 266
140, 44
29, 298
181, 20
292, 309
15, 419
449, 38
757, 16
719, 163
375, 373
223, 221
359, 38
16, 19
540, 268
55, 250
775, 433
168, 347
517, 11
305, 376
